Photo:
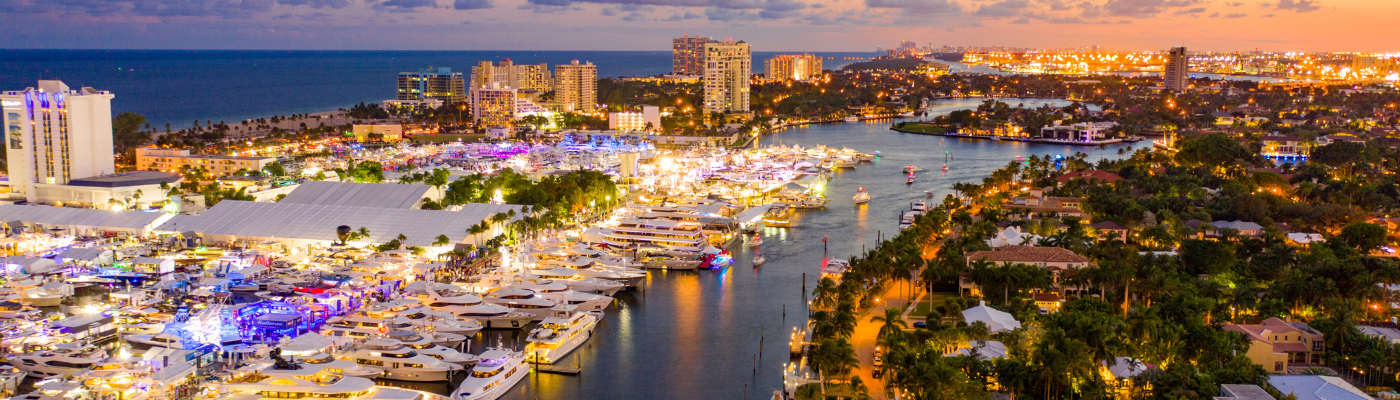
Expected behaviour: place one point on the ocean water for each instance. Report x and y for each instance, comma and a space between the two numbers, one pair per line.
181, 86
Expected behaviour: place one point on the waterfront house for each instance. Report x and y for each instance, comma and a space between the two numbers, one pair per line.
1054, 258
1317, 387
1283, 146
1244, 228
1276, 344
1048, 302
1079, 132
1049, 205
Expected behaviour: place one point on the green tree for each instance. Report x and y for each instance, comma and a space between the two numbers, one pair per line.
1363, 236
127, 133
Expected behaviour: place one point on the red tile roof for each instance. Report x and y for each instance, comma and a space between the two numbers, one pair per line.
1028, 254
1092, 174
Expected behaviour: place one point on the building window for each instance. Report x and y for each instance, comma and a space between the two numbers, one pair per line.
1278, 366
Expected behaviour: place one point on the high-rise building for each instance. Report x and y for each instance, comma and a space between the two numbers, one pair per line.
520, 77
1177, 69
688, 55
493, 104
727, 69
55, 135
576, 85
432, 83
799, 67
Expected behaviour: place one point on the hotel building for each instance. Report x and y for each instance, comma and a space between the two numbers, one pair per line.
635, 121
688, 55
798, 67
576, 85
432, 83
493, 105
726, 77
171, 160
1177, 69
521, 77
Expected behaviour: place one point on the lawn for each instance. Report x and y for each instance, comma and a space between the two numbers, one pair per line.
812, 391
922, 128
931, 300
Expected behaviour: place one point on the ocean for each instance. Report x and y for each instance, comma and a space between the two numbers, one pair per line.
181, 86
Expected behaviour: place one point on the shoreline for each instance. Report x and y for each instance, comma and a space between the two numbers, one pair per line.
1022, 140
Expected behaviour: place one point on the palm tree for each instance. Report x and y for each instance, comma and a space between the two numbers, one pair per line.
891, 324
825, 294
441, 240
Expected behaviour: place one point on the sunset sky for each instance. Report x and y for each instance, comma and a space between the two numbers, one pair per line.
771, 25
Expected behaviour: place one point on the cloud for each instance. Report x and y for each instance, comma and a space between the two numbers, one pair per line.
1215, 14
1066, 20
1143, 8
1301, 6
918, 6
472, 4
729, 14
1004, 8
317, 3
1022, 21
1186, 11
1235, 4
1236, 15
405, 5
634, 16
1057, 5
547, 8
681, 17
608, 11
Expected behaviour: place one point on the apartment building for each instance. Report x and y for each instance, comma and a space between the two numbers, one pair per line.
172, 160
432, 83
727, 69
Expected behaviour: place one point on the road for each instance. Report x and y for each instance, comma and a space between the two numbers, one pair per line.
898, 295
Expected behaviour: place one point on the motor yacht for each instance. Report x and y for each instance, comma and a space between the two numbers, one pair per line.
919, 207
861, 196
573, 280
63, 361
401, 362
851, 119
423, 344
670, 262
564, 330
524, 300
166, 340
561, 294
342, 367
284, 379
498, 371
492, 315
834, 269
14, 310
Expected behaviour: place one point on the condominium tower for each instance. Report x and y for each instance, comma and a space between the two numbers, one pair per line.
521, 77
726, 77
493, 104
576, 85
688, 55
56, 134
432, 84
799, 67
1176, 71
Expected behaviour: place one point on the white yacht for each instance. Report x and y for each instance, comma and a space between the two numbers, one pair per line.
401, 362
523, 300
851, 119
498, 372
561, 333
423, 344
560, 293
682, 235
861, 196
341, 367
166, 340
59, 362
919, 207
492, 315
573, 280
13, 310
295, 380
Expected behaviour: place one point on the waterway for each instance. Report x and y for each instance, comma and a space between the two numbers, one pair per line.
698, 334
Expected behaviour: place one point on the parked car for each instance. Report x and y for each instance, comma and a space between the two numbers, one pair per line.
920, 325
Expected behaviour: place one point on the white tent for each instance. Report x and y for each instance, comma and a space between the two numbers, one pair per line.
95, 256
986, 350
996, 320
148, 265
28, 265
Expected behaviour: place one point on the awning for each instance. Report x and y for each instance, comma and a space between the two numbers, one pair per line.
752, 214
174, 373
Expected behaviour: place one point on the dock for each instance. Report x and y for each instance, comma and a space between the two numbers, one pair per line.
557, 369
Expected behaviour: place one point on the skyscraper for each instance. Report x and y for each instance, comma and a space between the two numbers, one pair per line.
726, 78
1176, 71
432, 83
799, 67
576, 85
520, 77
493, 104
55, 135
688, 55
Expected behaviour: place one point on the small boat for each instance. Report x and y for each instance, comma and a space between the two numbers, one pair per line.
852, 119
928, 194
759, 259
862, 196
908, 114
910, 181
911, 169
945, 168
757, 240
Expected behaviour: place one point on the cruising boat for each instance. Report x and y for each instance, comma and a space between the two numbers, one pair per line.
498, 371
683, 235
423, 344
64, 361
284, 379
401, 362
861, 196
166, 340
561, 333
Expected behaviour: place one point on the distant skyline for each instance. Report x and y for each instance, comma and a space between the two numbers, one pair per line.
770, 25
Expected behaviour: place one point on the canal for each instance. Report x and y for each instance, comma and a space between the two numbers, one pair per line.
698, 334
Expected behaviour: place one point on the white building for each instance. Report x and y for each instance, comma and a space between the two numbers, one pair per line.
1079, 132
56, 135
727, 69
635, 121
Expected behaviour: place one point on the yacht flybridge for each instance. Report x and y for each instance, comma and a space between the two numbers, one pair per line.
498, 371
401, 362
561, 333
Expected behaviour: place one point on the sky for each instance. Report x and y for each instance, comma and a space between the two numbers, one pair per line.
770, 25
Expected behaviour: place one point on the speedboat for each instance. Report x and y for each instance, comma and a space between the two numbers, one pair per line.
757, 240
498, 371
759, 259
861, 196
166, 340
559, 334
909, 181
911, 169
401, 362
852, 119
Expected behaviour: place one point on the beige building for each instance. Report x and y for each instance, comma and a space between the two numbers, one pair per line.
520, 77
171, 160
577, 85
799, 67
493, 105
432, 83
383, 132
636, 121
688, 55
726, 77
1178, 68
1276, 344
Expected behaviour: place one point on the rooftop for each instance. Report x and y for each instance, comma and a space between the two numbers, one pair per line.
1027, 254
125, 179
379, 195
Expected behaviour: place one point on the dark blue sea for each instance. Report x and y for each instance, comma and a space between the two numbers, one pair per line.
180, 86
